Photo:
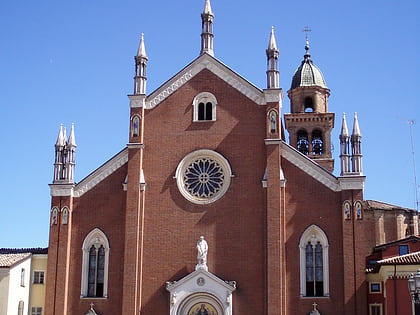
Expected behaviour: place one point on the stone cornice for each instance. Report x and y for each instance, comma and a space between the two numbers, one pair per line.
205, 61
62, 190
101, 173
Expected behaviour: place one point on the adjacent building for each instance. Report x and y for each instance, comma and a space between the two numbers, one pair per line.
22, 281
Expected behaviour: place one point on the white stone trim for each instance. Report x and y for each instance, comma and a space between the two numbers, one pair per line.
309, 166
205, 61
201, 285
204, 97
185, 163
96, 237
316, 234
101, 173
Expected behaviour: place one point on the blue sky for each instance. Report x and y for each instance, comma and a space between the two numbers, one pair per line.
72, 61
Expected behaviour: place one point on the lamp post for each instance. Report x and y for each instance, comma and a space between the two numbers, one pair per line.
414, 289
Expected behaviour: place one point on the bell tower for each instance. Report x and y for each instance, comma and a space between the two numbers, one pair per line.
310, 123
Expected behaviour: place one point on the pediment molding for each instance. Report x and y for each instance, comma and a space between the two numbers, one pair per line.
101, 173
310, 167
205, 61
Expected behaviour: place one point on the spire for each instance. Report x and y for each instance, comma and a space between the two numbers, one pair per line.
64, 156
207, 8
207, 30
356, 147
344, 130
356, 128
141, 52
344, 147
141, 64
272, 62
60, 138
72, 138
307, 55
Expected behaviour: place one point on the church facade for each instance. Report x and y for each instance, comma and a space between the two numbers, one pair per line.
209, 209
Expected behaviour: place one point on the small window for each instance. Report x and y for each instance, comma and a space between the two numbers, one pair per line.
204, 105
21, 307
375, 287
22, 277
38, 277
36, 310
403, 250
346, 210
309, 105
375, 309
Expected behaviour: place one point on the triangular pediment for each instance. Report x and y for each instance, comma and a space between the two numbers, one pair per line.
210, 63
199, 279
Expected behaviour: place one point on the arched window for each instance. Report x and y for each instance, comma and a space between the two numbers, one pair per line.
309, 105
314, 271
65, 215
204, 105
95, 265
302, 142
21, 307
317, 143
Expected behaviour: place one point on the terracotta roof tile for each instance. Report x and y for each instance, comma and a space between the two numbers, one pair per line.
408, 259
8, 260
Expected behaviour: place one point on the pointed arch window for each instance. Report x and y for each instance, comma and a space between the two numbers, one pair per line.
95, 265
204, 105
317, 143
314, 271
302, 142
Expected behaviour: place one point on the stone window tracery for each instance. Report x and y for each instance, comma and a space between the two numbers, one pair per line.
314, 269
204, 105
95, 265
203, 176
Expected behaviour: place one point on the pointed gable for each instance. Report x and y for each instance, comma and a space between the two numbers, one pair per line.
210, 63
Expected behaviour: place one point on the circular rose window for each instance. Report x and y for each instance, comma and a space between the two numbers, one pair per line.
203, 176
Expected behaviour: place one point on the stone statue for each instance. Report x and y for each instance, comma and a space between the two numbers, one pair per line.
202, 249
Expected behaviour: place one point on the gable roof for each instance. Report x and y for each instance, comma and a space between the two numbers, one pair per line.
407, 259
205, 61
9, 260
411, 238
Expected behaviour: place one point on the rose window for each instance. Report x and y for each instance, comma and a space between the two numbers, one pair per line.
203, 176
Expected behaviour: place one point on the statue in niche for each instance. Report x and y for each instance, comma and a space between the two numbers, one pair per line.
202, 249
54, 216
65, 216
273, 121
136, 124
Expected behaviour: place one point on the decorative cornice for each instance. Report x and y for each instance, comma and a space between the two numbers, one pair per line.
62, 190
205, 61
349, 182
101, 173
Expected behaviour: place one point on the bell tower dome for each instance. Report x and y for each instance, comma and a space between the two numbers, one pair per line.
310, 123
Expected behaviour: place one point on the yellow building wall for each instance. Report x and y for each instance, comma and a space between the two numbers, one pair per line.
37, 291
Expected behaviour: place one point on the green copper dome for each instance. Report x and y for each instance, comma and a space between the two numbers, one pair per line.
308, 74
